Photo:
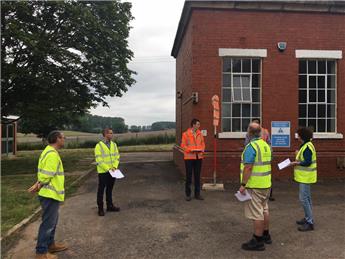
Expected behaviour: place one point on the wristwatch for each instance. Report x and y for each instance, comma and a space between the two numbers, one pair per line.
243, 184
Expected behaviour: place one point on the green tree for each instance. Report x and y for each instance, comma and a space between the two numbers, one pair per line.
60, 58
162, 125
95, 124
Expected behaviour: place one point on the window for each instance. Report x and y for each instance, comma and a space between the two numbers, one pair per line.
317, 95
240, 93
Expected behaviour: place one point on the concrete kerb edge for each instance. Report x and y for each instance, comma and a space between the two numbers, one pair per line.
27, 220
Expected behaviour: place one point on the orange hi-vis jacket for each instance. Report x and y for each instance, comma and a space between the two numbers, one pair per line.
193, 147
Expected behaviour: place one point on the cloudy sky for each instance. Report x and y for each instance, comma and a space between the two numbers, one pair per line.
151, 39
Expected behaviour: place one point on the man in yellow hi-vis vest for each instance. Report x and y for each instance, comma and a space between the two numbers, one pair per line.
51, 191
256, 180
107, 158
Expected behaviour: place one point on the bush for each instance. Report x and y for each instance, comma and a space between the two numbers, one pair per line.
31, 146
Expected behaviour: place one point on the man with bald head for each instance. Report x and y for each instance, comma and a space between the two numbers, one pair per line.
256, 180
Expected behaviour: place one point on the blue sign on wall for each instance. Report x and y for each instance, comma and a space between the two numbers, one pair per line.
280, 133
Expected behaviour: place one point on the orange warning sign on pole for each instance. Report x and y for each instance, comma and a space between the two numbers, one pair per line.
215, 104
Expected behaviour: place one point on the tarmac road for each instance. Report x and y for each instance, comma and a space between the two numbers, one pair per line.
156, 222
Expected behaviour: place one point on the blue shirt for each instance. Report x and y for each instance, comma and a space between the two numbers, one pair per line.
249, 154
307, 154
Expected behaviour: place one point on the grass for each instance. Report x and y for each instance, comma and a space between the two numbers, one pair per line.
19, 173
17, 203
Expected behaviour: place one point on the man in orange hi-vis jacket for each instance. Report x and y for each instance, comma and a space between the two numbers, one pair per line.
193, 146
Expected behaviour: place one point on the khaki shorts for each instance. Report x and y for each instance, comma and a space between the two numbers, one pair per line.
255, 208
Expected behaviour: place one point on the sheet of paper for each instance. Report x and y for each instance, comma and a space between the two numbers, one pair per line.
243, 197
284, 164
116, 174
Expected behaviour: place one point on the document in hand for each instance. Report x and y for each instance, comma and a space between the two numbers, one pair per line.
116, 174
284, 164
243, 197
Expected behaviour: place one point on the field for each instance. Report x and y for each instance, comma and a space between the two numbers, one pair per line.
75, 136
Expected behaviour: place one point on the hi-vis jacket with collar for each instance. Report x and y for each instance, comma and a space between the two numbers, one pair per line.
51, 175
191, 143
106, 158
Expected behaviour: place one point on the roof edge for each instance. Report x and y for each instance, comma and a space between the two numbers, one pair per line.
335, 7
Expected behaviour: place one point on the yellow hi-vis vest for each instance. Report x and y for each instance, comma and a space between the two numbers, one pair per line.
261, 172
306, 174
106, 158
51, 175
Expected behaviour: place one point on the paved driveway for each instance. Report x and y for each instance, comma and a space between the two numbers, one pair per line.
156, 222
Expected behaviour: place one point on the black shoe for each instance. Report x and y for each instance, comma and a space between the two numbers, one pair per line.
113, 209
306, 227
271, 199
254, 245
188, 198
100, 212
301, 222
199, 197
267, 239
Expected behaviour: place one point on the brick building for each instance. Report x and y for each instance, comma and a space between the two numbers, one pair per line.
276, 60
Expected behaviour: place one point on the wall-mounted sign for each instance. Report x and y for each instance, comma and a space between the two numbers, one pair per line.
280, 133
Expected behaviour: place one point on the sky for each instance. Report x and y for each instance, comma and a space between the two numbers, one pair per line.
151, 38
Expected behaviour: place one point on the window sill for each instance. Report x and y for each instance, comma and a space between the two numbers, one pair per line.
325, 136
234, 135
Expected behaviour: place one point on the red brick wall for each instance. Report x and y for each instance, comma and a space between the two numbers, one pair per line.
210, 30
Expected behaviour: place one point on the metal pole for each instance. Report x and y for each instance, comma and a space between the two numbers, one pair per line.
215, 157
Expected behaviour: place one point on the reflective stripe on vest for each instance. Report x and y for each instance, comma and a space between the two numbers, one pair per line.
50, 187
306, 174
261, 171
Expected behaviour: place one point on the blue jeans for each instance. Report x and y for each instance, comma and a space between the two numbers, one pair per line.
305, 199
46, 233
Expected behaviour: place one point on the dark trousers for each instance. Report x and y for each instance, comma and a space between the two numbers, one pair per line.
105, 181
193, 166
46, 232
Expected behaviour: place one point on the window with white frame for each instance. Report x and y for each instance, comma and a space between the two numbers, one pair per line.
241, 83
317, 94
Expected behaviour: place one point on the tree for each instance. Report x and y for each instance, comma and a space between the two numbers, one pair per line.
60, 58
95, 124
162, 125
135, 128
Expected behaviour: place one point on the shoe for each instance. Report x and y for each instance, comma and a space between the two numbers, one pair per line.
254, 245
57, 247
301, 222
188, 198
271, 199
306, 227
199, 197
267, 239
100, 212
46, 256
113, 209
